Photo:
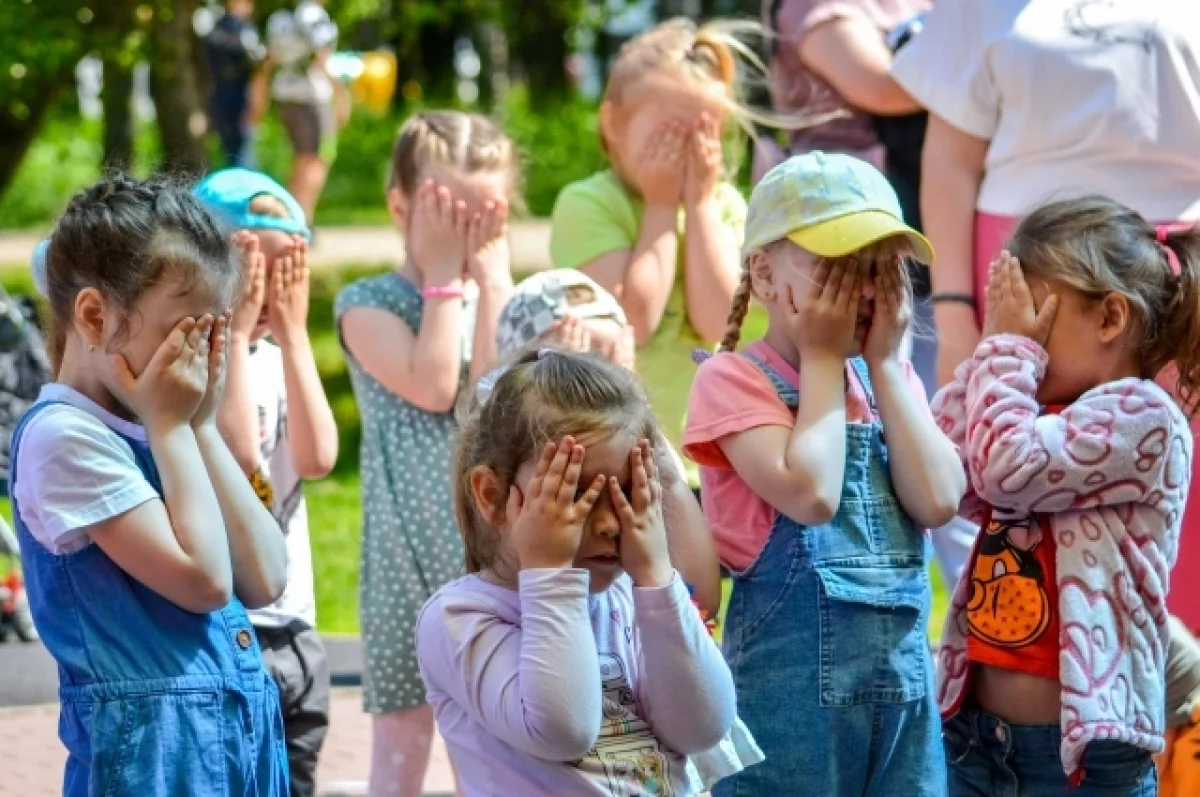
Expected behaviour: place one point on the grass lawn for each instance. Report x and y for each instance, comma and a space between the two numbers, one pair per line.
333, 503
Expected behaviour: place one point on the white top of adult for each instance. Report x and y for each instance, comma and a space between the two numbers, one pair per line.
1075, 96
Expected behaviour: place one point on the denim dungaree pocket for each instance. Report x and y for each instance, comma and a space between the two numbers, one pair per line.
826, 636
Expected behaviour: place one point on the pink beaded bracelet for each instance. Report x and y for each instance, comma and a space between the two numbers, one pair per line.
442, 292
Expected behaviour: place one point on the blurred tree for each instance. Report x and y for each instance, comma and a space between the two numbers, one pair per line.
40, 44
538, 34
116, 96
175, 87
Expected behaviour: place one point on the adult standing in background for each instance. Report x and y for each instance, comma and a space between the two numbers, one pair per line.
234, 51
299, 44
830, 56
1037, 99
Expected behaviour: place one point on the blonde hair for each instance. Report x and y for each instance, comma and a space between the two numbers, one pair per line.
713, 53
543, 396
467, 141
1098, 246
892, 249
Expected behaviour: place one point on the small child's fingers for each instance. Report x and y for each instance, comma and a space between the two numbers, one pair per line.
445, 205
641, 480
569, 485
625, 512
549, 451
591, 496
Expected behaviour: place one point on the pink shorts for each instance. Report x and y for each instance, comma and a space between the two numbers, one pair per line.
1183, 600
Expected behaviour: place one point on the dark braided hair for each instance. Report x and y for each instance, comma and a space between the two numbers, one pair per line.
121, 236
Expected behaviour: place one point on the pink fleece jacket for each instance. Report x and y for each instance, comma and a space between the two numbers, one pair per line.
1111, 472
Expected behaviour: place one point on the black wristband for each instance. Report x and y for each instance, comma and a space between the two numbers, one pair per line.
940, 297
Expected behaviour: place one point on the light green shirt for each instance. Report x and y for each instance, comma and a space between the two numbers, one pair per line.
598, 215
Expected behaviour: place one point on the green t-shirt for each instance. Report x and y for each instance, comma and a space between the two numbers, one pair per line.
598, 215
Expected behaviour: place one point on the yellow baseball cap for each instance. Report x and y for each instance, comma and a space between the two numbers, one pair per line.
829, 204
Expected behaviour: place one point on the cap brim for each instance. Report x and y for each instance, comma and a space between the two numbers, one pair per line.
855, 231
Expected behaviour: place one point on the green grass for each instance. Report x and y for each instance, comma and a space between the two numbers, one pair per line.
334, 503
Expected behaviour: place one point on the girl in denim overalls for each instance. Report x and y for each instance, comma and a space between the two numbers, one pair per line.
137, 526
818, 490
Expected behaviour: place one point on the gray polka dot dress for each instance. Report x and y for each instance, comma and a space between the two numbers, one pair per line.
410, 540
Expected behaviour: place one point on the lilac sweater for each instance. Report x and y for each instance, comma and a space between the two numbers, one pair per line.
552, 691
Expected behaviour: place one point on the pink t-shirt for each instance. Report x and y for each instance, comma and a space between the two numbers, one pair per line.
731, 395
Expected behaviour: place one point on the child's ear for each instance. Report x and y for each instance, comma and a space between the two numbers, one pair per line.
489, 498
1115, 317
91, 318
762, 275
398, 208
607, 126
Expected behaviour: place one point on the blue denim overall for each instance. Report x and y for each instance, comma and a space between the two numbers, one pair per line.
826, 638
156, 701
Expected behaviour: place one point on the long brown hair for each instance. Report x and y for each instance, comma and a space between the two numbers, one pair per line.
543, 396
1099, 246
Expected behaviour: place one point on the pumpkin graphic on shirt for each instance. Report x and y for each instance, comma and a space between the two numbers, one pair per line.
1008, 605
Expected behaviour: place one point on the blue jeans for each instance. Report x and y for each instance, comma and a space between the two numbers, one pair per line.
987, 757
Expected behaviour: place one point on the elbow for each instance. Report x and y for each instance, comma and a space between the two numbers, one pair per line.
318, 464
207, 594
568, 741
264, 591
248, 458
644, 329
814, 507
883, 96
709, 329
937, 514
437, 398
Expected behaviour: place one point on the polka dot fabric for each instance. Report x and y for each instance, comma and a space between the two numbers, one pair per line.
410, 541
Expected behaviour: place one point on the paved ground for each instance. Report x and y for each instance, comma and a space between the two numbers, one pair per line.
334, 246
31, 757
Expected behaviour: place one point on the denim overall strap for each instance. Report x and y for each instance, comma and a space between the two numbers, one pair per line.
864, 378
789, 395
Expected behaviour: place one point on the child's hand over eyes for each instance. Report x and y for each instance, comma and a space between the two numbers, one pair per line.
822, 320
287, 296
661, 165
572, 334
488, 256
893, 313
643, 542
168, 393
547, 521
218, 354
250, 304
439, 232
1010, 306
704, 157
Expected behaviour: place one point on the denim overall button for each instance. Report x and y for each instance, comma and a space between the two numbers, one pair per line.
1001, 734
243, 639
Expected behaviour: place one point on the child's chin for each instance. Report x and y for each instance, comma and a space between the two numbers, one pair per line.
601, 580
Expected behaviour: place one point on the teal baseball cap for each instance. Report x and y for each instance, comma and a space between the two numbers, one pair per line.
227, 194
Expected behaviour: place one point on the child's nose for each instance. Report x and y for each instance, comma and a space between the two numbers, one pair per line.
868, 288
604, 522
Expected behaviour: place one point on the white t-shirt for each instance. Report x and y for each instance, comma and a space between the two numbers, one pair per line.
293, 40
298, 601
1075, 96
73, 470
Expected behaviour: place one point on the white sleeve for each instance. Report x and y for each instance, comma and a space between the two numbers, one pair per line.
72, 472
946, 66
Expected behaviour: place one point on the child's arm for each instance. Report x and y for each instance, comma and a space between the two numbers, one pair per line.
642, 278
688, 694
798, 470
710, 245
1118, 443
172, 546
536, 685
256, 545
689, 540
949, 409
686, 688
926, 472
489, 263
237, 417
423, 369
311, 430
